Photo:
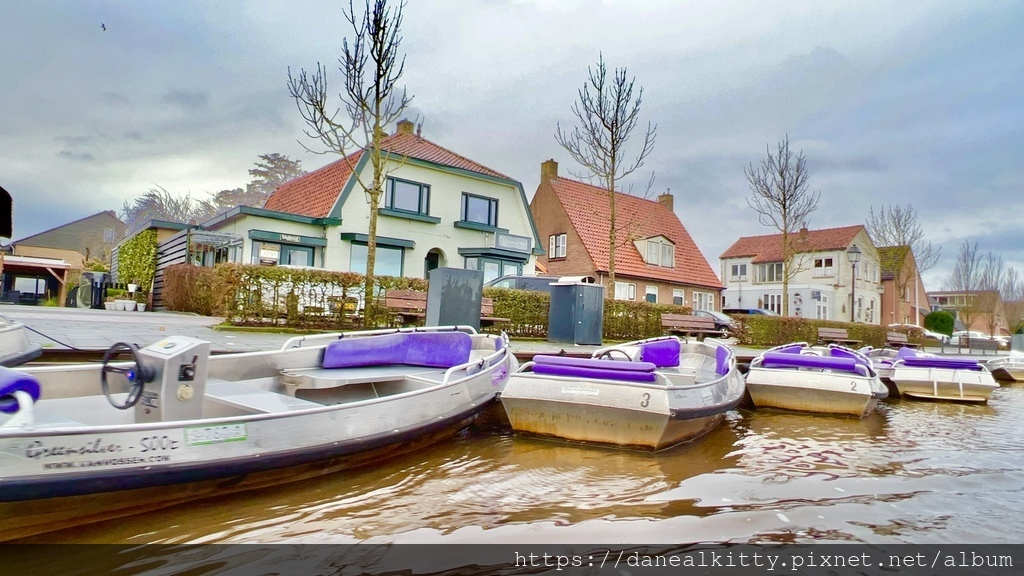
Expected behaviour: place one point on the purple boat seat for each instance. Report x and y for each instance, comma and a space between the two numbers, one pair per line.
905, 353
591, 368
661, 353
788, 349
787, 360
12, 381
722, 356
844, 353
939, 362
429, 349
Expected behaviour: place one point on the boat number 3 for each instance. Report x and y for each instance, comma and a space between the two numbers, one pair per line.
645, 400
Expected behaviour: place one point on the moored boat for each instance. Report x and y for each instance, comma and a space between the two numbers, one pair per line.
175, 423
832, 380
649, 394
15, 347
921, 375
1008, 368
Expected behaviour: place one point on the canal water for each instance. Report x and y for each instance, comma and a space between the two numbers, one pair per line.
914, 472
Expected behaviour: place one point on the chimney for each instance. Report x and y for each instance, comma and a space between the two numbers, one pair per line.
405, 126
666, 199
548, 170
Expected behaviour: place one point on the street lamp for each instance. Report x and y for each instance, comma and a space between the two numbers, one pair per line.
853, 253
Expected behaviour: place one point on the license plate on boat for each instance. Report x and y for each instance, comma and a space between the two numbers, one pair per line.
200, 435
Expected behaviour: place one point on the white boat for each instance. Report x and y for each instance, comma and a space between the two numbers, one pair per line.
922, 375
649, 394
833, 380
1008, 368
15, 347
178, 424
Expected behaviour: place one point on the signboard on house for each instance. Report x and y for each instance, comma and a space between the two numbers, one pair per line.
511, 242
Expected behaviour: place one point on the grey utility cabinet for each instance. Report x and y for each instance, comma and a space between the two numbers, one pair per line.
576, 315
453, 297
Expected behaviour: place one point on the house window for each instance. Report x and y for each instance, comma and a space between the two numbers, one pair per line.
703, 301
407, 196
823, 267
678, 297
479, 209
821, 307
556, 246
739, 272
767, 273
625, 291
651, 294
661, 253
493, 267
388, 261
264, 253
772, 302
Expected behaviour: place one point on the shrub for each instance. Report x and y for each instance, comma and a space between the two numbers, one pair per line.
527, 311
136, 259
940, 321
190, 288
768, 331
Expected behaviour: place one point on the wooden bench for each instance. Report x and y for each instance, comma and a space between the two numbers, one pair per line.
836, 336
982, 344
685, 325
899, 340
411, 305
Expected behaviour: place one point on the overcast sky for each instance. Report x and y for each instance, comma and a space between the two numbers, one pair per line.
891, 102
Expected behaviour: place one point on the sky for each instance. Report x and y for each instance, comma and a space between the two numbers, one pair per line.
918, 103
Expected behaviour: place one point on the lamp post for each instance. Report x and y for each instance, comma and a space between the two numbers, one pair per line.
853, 253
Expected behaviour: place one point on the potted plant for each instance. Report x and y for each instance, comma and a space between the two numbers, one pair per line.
108, 303
140, 301
121, 299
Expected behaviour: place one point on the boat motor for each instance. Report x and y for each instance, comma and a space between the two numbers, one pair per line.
178, 383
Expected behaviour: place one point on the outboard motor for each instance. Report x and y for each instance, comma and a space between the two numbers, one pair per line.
179, 365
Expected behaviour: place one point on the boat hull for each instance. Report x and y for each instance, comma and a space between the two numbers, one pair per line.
805, 391
944, 384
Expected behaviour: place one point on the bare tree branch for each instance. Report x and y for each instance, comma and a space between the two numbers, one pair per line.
898, 226
782, 200
607, 115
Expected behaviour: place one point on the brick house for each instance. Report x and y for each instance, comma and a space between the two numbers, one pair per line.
904, 299
656, 260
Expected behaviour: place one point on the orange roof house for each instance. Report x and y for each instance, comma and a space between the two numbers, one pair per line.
820, 284
439, 208
656, 259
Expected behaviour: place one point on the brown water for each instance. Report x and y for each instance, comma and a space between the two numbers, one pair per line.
917, 472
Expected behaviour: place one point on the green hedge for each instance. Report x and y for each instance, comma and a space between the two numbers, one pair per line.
136, 260
768, 331
940, 321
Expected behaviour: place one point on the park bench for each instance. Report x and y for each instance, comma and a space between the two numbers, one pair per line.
982, 344
835, 336
685, 325
410, 306
899, 340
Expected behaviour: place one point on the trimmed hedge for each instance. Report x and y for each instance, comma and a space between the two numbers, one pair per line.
768, 331
940, 321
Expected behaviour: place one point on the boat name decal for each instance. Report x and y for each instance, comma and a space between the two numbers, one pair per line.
579, 390
37, 449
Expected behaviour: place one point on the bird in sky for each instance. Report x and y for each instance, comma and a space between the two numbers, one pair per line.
103, 26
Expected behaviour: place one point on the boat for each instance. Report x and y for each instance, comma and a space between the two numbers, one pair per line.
922, 375
1008, 368
15, 347
832, 380
649, 394
89, 442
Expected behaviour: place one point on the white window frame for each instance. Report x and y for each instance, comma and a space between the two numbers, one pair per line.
776, 271
681, 294
824, 267
772, 302
649, 290
625, 291
556, 245
664, 253
739, 272
821, 308
703, 300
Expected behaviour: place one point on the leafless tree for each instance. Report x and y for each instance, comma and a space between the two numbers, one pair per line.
782, 200
898, 226
607, 115
966, 278
1013, 299
159, 204
371, 100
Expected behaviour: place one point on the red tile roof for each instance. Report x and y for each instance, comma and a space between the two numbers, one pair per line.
769, 248
588, 210
315, 193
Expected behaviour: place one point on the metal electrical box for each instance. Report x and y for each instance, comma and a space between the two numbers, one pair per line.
454, 296
576, 314
179, 364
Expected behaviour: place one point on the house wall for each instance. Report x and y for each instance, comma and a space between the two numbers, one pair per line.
911, 309
550, 218
73, 257
86, 237
666, 291
248, 222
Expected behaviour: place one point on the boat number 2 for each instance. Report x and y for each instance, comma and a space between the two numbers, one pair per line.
645, 400
853, 386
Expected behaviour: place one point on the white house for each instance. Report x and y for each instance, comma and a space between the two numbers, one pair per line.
821, 286
439, 208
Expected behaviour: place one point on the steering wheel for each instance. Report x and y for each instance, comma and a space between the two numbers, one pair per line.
136, 375
608, 355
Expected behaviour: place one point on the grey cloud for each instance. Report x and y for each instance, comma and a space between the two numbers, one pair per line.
76, 156
847, 164
114, 99
74, 141
133, 135
188, 100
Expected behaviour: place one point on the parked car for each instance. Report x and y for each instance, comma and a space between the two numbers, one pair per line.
529, 282
927, 333
964, 335
750, 311
722, 322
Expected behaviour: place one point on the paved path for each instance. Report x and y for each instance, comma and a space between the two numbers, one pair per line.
64, 328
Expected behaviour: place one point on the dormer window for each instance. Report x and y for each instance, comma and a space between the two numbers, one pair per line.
659, 252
